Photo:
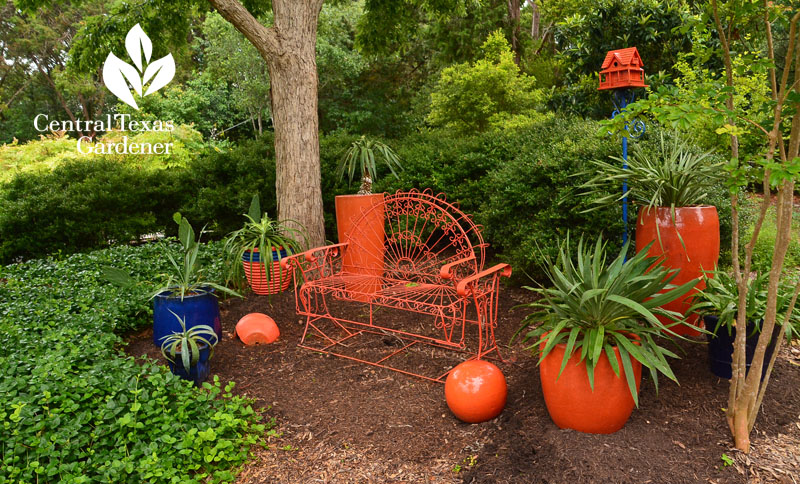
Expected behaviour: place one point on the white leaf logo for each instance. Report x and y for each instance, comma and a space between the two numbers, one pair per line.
120, 77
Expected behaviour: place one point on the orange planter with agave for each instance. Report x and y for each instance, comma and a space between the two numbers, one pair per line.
571, 401
688, 241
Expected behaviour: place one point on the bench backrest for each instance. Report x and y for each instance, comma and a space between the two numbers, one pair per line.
421, 233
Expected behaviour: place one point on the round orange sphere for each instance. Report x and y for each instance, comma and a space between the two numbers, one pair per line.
476, 391
257, 328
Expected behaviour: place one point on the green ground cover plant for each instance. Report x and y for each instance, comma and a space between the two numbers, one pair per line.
76, 409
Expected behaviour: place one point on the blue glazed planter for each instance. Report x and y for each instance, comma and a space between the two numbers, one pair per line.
198, 373
197, 309
720, 347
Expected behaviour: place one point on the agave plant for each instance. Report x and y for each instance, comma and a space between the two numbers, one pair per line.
187, 343
186, 277
720, 298
362, 156
674, 176
594, 307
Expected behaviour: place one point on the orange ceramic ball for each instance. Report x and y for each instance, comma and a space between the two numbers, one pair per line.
257, 328
476, 391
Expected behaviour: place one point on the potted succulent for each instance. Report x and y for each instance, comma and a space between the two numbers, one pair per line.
245, 249
189, 351
595, 329
362, 158
185, 292
718, 304
670, 186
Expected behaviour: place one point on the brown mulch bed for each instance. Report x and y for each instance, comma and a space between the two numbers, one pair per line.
342, 421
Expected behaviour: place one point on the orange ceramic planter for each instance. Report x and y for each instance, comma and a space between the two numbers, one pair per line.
570, 400
362, 226
255, 272
699, 229
476, 391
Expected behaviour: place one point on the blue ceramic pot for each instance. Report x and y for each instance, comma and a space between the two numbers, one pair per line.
198, 373
197, 309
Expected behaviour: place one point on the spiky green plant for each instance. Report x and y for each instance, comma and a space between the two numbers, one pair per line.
265, 234
186, 277
363, 156
720, 298
187, 343
594, 307
674, 176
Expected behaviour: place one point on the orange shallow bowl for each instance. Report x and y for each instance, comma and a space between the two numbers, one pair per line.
257, 328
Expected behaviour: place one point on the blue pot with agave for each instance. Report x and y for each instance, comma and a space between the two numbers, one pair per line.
186, 293
198, 308
189, 350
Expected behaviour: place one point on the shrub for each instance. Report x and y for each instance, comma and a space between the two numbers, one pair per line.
77, 409
476, 97
81, 205
532, 201
221, 184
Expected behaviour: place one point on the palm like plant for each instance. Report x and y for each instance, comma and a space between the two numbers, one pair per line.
186, 278
676, 176
720, 298
188, 343
594, 307
265, 234
363, 156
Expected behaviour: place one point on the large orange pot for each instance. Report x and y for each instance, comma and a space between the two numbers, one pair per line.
698, 229
570, 400
360, 222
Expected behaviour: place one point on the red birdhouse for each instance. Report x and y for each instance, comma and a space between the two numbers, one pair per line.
622, 68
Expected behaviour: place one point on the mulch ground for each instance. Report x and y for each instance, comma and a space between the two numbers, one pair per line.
341, 421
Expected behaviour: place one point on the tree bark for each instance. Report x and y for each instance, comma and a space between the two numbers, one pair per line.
289, 48
535, 21
514, 12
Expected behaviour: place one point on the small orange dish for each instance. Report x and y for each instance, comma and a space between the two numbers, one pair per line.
255, 328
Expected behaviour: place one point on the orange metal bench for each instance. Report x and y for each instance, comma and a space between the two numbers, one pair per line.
426, 257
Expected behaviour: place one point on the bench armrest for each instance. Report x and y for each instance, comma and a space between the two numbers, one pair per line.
500, 270
445, 271
321, 264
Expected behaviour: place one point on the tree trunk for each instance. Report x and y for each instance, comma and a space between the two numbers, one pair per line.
294, 111
289, 47
513, 16
535, 29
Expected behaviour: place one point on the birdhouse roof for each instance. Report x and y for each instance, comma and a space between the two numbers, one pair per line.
623, 56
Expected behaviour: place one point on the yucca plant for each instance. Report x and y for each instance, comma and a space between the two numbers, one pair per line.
188, 343
363, 156
187, 277
674, 176
265, 234
594, 307
720, 298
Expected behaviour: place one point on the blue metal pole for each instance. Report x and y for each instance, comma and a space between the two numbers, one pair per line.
625, 190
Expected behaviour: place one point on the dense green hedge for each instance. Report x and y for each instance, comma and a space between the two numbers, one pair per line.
76, 409
518, 182
82, 205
